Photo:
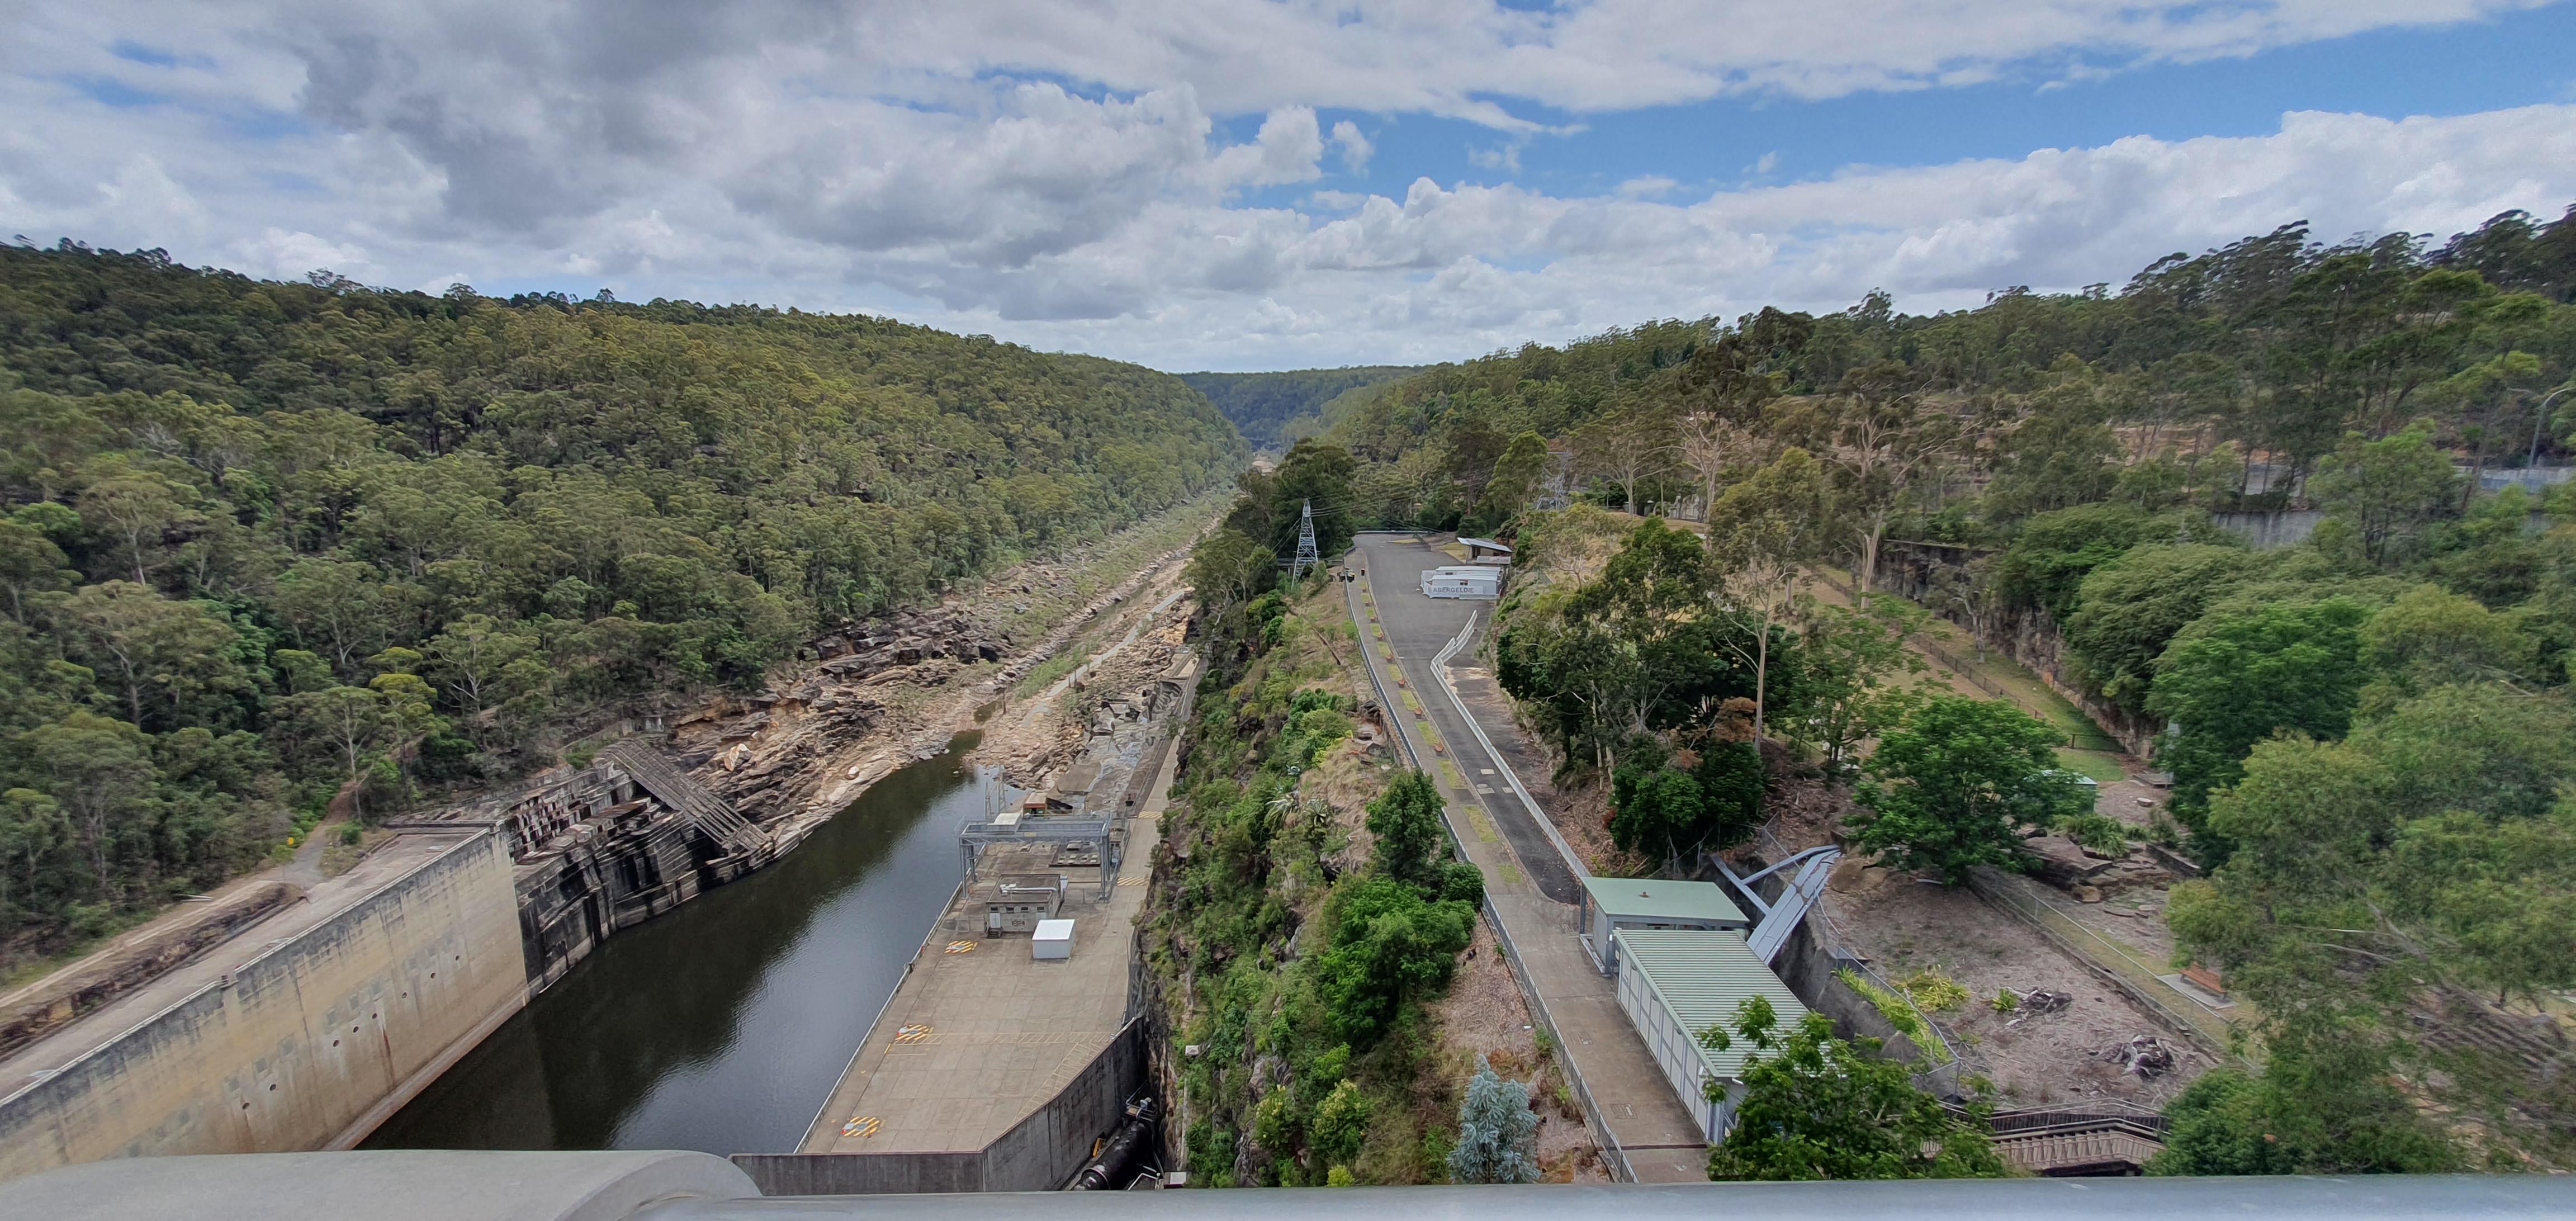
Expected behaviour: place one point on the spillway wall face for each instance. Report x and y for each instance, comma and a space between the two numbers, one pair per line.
305, 1047
1042, 1153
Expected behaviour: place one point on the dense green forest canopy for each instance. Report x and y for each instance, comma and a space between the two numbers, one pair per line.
2293, 512
261, 541
1273, 409
2236, 374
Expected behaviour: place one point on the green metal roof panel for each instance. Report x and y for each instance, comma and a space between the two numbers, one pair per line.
1647, 899
1701, 978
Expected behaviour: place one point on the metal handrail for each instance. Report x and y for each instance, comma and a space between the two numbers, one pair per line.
458, 1185
1440, 671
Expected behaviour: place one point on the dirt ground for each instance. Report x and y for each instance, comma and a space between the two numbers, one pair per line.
1903, 926
1485, 1014
1031, 735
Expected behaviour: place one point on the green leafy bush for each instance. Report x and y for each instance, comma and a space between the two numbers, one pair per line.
1932, 991
2096, 832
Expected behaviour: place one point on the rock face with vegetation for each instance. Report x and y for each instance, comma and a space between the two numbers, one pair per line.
265, 543
1306, 911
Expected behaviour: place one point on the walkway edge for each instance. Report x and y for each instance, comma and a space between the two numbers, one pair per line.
1613, 1156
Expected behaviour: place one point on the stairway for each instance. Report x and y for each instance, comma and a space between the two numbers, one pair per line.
673, 787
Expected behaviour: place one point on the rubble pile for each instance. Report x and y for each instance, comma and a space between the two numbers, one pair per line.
798, 751
905, 638
2145, 1057
2041, 1000
2070, 867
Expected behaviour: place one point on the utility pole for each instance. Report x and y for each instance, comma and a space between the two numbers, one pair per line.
1306, 557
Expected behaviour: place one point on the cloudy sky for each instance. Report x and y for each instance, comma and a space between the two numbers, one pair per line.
1252, 184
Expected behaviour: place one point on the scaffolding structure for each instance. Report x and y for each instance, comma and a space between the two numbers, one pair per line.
975, 838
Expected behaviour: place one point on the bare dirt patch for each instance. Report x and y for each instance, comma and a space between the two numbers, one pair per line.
1903, 926
1485, 1015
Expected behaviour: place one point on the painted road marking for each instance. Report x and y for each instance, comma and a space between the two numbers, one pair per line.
1135, 880
861, 1126
960, 947
912, 1034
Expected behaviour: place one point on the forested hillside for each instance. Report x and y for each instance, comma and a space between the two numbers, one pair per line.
2370, 727
1272, 409
264, 540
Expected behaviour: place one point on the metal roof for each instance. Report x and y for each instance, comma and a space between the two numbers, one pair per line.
1647, 899
1701, 977
1486, 544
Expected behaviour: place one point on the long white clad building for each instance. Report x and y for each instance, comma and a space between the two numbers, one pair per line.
1675, 983
1478, 582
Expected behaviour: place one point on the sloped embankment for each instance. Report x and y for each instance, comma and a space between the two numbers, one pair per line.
1324, 1005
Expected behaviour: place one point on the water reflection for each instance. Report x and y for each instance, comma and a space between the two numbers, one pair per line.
723, 1025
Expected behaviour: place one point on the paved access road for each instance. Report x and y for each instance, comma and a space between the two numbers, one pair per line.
1419, 627
1530, 883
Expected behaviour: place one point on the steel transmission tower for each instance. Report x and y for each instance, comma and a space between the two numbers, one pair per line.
1306, 557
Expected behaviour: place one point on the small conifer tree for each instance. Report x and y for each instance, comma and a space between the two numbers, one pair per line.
1497, 1132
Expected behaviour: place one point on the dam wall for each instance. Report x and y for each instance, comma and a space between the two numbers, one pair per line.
1040, 1153
309, 1044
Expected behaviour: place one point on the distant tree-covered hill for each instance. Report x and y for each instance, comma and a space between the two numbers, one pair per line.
261, 542
1263, 405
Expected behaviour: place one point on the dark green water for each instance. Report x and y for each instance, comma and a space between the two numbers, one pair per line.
723, 1025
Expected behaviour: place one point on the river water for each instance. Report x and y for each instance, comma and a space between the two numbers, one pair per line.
723, 1025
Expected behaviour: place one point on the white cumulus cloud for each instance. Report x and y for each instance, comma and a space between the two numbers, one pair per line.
1057, 174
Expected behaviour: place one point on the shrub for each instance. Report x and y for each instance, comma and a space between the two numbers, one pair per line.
1340, 1126
1933, 992
1406, 821
1463, 883
1497, 1132
2097, 832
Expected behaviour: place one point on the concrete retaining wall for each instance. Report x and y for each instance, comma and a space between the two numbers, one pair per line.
1041, 1154
308, 1046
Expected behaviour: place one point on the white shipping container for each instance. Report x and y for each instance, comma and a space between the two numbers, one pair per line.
1474, 584
1054, 939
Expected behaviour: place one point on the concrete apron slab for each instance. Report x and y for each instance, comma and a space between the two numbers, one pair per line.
975, 1041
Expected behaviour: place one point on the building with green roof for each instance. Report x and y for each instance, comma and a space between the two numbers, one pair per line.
1675, 983
1612, 904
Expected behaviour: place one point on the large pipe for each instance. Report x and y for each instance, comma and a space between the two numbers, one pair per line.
1117, 1161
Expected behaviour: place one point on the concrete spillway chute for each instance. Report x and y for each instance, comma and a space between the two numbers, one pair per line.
1780, 917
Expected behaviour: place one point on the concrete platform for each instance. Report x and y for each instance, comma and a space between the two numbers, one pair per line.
976, 1040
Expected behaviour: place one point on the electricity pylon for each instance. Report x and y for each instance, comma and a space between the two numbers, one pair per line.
1306, 556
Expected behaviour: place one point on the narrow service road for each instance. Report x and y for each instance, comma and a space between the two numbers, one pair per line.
1418, 627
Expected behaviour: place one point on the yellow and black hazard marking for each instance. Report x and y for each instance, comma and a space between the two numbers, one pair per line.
960, 947
861, 1126
912, 1034
1132, 880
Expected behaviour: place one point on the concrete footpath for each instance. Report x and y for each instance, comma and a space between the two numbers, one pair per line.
1644, 1132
